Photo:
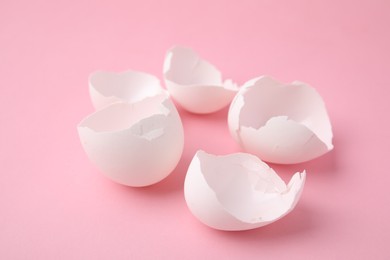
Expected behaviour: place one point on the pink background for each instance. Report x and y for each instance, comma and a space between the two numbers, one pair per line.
54, 204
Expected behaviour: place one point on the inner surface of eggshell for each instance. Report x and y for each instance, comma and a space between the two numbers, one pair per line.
282, 141
128, 86
195, 83
238, 191
245, 186
266, 98
183, 66
123, 115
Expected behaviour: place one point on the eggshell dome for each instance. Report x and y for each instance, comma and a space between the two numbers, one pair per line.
135, 144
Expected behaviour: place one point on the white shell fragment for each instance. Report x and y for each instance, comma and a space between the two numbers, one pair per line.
136, 144
238, 191
129, 86
195, 83
280, 123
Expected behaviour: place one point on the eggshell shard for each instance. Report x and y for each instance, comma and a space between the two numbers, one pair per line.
129, 86
135, 144
238, 191
280, 123
195, 83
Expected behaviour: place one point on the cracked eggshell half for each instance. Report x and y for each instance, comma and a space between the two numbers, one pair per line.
238, 191
195, 83
129, 86
135, 144
280, 123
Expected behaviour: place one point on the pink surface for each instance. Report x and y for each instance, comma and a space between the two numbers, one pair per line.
54, 204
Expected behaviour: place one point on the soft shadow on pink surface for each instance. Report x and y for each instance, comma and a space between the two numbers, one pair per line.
300, 222
220, 115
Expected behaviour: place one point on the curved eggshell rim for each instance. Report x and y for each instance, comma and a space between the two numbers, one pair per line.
162, 104
167, 71
105, 89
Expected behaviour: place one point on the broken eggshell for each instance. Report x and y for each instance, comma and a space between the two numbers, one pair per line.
135, 144
280, 123
238, 191
195, 83
129, 86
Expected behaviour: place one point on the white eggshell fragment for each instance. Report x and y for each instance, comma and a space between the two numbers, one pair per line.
195, 83
129, 86
280, 123
135, 144
238, 191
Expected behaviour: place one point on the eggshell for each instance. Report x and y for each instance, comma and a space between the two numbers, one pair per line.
135, 144
129, 86
280, 123
238, 191
195, 83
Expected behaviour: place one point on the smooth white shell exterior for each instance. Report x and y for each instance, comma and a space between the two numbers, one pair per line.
195, 83
280, 123
129, 86
135, 144
238, 191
